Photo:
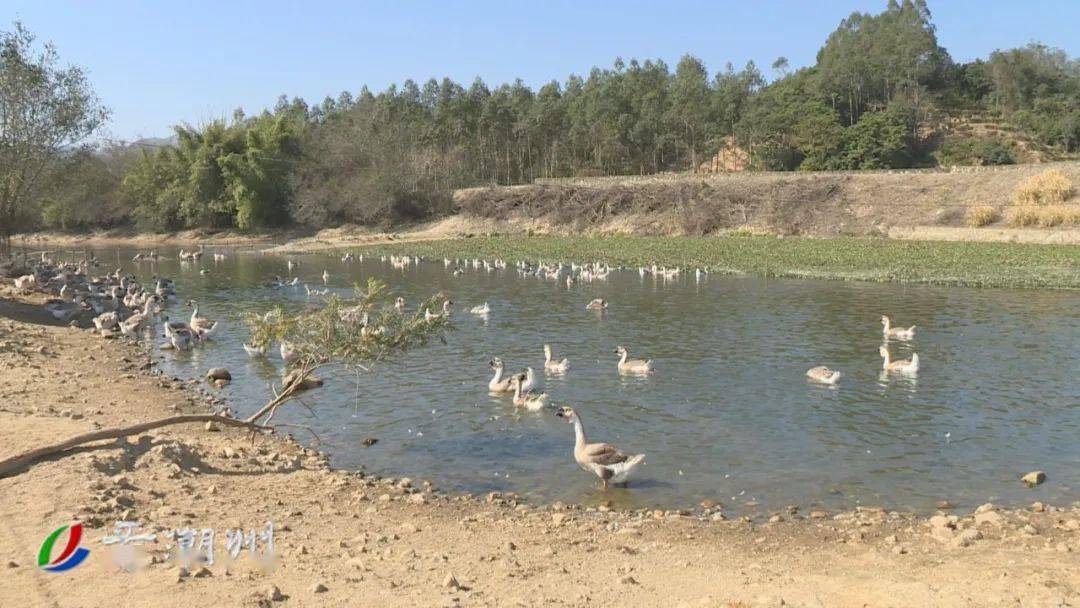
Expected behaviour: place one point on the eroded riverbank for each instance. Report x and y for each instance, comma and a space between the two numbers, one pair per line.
372, 541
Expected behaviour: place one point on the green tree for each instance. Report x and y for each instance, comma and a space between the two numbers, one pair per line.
44, 108
690, 107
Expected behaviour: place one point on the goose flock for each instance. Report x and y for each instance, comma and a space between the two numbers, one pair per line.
607, 462
117, 304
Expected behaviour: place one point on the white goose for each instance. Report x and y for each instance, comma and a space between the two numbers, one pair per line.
107, 321
528, 400
499, 383
823, 374
632, 366
181, 338
903, 366
202, 325
897, 333
483, 310
597, 304
604, 460
552, 365
254, 350
287, 352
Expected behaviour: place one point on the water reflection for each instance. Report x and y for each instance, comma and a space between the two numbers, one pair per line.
728, 415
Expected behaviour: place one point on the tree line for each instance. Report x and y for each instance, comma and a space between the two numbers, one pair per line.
876, 97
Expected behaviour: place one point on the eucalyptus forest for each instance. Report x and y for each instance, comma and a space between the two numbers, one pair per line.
879, 96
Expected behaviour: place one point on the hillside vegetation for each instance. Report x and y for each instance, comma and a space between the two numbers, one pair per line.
883, 93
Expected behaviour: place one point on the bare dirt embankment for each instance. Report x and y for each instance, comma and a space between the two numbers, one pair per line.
909, 204
346, 539
915, 205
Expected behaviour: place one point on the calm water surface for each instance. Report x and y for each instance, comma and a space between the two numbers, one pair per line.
729, 414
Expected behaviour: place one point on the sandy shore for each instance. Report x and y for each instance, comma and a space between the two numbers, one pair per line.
346, 539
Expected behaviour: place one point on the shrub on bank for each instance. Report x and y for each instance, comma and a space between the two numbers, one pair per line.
1046, 188
1047, 216
981, 215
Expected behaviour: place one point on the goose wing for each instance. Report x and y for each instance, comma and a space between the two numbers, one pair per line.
603, 454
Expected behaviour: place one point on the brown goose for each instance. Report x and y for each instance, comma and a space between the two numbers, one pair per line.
602, 459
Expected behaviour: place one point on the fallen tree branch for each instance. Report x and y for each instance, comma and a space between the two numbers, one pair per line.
13, 465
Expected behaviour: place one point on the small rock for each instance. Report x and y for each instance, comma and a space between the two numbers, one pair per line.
967, 537
558, 518
708, 504
989, 517
775, 519
983, 508
12, 564
450, 582
628, 580
218, 373
274, 594
944, 505
212, 426
1030, 529
818, 514
940, 521
203, 572
1038, 506
1034, 478
369, 441
319, 588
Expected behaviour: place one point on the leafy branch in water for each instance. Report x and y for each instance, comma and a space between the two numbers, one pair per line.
351, 331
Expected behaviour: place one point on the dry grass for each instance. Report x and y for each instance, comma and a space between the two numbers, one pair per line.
981, 215
1047, 216
1046, 188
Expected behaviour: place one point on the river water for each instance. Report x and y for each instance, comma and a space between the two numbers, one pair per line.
728, 415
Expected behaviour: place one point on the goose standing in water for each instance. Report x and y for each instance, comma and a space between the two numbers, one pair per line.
202, 325
903, 366
399, 304
325, 277
552, 365
897, 333
255, 350
483, 310
499, 383
823, 374
181, 338
632, 366
604, 460
529, 400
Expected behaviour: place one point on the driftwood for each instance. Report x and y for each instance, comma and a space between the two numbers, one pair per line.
14, 465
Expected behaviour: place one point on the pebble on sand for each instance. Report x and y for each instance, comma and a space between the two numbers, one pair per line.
274, 594
451, 582
319, 588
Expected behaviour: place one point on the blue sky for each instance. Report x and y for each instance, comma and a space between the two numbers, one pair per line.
159, 63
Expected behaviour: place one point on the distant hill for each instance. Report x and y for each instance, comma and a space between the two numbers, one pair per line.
154, 142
